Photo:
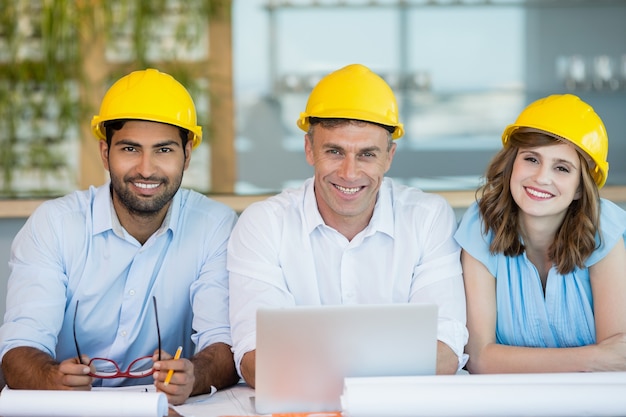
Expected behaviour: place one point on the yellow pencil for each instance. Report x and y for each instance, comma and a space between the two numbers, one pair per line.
170, 373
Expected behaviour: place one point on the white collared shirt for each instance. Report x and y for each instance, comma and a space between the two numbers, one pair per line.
282, 254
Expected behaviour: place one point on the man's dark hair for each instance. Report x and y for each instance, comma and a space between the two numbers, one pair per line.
115, 125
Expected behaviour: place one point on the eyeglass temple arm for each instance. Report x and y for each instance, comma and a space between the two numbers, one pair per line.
156, 317
80, 357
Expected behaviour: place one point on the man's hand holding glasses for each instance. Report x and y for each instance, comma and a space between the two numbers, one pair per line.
80, 371
75, 375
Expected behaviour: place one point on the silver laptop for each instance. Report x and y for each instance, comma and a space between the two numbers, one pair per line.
304, 353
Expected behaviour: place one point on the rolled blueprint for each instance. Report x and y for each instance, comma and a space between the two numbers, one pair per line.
598, 394
35, 403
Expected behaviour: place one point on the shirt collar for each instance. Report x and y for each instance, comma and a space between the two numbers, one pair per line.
105, 218
312, 216
103, 210
382, 219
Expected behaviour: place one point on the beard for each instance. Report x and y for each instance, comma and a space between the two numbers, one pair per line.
144, 206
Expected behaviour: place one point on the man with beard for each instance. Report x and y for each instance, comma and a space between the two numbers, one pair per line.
106, 283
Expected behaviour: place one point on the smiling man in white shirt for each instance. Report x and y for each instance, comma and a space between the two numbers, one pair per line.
348, 235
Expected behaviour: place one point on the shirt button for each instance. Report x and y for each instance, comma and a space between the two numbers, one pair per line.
131, 292
123, 333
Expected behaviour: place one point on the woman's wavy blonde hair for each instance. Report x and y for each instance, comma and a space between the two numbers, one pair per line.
575, 239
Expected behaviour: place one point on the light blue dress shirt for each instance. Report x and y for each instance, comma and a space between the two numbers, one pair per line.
564, 317
281, 253
74, 248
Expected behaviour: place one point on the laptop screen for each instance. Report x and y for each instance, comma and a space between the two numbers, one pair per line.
304, 353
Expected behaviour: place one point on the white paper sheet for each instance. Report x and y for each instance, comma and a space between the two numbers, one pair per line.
601, 394
234, 401
122, 403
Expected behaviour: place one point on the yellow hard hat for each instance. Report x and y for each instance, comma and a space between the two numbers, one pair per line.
353, 92
148, 95
568, 117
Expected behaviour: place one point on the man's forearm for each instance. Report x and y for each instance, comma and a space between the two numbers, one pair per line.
29, 368
447, 361
248, 368
214, 366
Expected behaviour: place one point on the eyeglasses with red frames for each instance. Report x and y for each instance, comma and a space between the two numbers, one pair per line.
108, 368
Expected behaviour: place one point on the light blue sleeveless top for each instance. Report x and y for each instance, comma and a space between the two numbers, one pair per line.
564, 317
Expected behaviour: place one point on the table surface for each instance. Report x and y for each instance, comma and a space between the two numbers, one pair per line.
235, 401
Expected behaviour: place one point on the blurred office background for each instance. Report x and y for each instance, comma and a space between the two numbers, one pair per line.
462, 71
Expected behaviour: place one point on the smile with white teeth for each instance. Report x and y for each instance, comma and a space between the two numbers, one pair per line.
347, 190
538, 193
146, 186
